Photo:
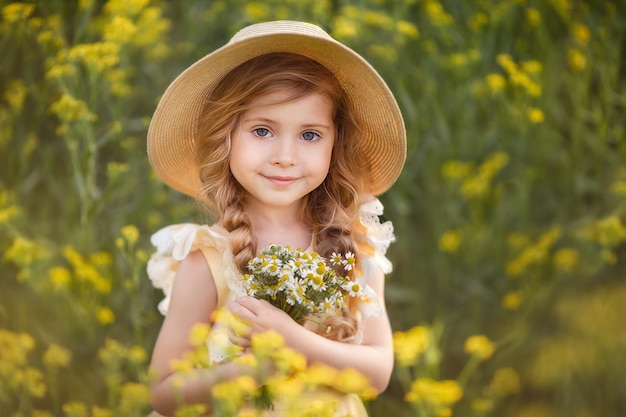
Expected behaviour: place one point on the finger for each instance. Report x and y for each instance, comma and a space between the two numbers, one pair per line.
237, 339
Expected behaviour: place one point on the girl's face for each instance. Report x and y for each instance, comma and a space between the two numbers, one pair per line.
281, 152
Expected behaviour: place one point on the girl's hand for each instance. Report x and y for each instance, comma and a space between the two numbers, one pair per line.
260, 316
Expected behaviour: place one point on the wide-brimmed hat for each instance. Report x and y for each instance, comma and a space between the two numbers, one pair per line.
173, 131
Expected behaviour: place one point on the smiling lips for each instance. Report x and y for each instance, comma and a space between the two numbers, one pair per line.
281, 181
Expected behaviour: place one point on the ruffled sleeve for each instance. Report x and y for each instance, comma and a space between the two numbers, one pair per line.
373, 260
173, 244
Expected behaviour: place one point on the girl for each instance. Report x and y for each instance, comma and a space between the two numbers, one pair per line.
286, 135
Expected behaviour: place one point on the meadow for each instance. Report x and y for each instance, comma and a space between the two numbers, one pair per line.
508, 289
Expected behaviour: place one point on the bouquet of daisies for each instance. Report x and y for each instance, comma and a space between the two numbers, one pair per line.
301, 284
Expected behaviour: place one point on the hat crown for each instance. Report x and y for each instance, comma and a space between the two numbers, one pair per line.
281, 27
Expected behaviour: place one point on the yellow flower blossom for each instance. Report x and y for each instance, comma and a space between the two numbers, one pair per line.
199, 334
75, 409
482, 405
607, 232
130, 8
477, 21
533, 254
8, 213
450, 241
456, 170
504, 382
130, 233
59, 277
56, 356
576, 59
137, 355
15, 94
495, 83
264, 344
17, 12
105, 315
25, 252
134, 398
407, 29
410, 344
565, 259
100, 412
256, 10
535, 115
120, 29
512, 300
70, 109
533, 16
581, 33
479, 346
437, 393
436, 13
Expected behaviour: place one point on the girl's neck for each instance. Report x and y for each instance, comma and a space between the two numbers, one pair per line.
283, 227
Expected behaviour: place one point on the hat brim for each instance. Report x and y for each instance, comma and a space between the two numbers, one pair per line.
174, 125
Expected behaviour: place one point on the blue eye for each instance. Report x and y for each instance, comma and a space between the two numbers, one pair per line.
310, 136
261, 132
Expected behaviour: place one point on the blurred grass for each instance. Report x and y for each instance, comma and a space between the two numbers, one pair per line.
509, 213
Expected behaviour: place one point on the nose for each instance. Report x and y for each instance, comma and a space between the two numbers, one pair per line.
285, 152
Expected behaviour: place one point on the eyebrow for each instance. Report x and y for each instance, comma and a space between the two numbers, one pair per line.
272, 121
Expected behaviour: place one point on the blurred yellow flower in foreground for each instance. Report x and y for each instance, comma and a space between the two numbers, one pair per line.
504, 382
576, 59
105, 315
565, 259
535, 115
512, 300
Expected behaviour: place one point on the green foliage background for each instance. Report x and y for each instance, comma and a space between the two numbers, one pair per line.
509, 214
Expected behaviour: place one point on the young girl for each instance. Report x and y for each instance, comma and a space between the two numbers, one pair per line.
286, 135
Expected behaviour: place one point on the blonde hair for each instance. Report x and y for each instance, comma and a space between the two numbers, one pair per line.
331, 209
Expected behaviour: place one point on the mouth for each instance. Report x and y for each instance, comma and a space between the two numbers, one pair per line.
281, 181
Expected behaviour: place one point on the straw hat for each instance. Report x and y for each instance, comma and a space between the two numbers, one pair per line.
173, 130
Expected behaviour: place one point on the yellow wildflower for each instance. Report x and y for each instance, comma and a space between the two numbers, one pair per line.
566, 259
137, 355
120, 29
581, 33
505, 381
264, 344
535, 115
408, 29
533, 16
17, 12
409, 345
25, 252
450, 241
479, 346
33, 382
576, 59
75, 409
59, 277
482, 405
512, 300
7, 213
437, 14
56, 356
15, 94
130, 233
438, 393
69, 109
199, 334
100, 412
256, 10
478, 21
455, 170
134, 398
105, 315
495, 83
